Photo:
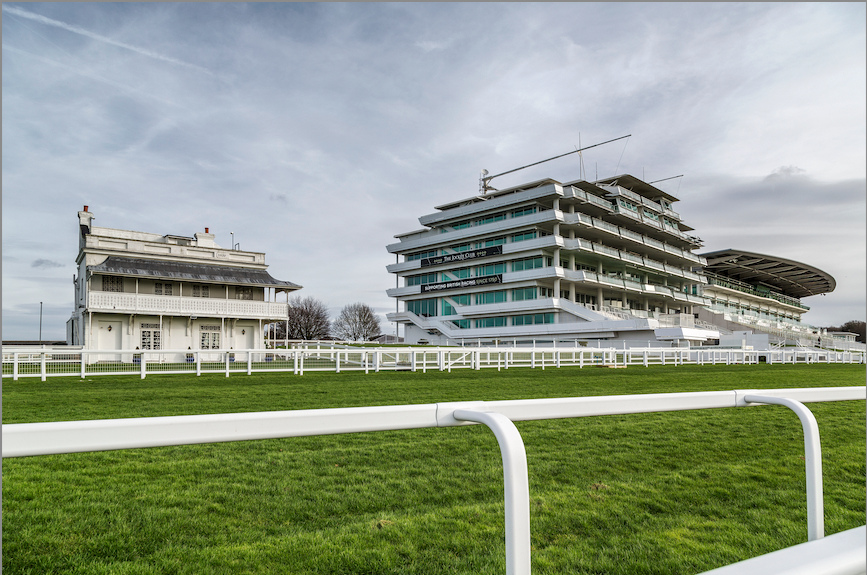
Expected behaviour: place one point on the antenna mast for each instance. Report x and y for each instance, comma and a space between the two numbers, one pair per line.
485, 179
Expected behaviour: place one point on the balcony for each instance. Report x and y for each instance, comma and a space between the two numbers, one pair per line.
184, 306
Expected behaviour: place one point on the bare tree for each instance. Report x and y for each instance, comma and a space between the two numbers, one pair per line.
308, 319
356, 322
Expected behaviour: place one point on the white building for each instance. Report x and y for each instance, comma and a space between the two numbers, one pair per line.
550, 261
763, 293
137, 290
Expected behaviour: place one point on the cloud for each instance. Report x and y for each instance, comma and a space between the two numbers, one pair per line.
88, 74
75, 29
45, 264
365, 117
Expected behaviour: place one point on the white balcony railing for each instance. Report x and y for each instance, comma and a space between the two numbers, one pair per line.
155, 304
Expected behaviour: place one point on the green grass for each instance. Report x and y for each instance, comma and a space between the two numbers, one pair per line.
663, 493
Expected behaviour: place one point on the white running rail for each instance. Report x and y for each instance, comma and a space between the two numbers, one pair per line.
44, 363
30, 439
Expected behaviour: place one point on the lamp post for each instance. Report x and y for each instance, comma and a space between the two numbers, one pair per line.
40, 323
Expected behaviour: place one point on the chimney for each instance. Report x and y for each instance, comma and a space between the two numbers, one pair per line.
206, 239
84, 219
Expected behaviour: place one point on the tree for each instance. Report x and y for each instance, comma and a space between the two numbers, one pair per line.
308, 319
356, 322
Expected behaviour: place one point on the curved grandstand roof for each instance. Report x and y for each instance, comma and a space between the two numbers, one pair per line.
789, 277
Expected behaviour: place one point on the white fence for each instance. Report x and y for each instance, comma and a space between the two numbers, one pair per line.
43, 363
30, 439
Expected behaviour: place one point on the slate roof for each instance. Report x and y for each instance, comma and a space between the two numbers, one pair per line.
166, 270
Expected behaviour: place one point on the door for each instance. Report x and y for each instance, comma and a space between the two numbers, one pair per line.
109, 337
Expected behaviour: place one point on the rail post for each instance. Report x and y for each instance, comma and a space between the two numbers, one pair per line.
812, 461
15, 366
198, 363
42, 364
516, 486
249, 362
82, 363
143, 364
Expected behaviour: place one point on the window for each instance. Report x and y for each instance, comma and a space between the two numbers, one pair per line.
162, 289
423, 307
461, 323
462, 248
651, 215
150, 339
244, 293
210, 337
460, 274
201, 291
491, 322
524, 236
522, 294
461, 299
421, 279
210, 340
490, 269
628, 205
495, 242
532, 319
527, 264
490, 297
422, 255
523, 211
489, 219
112, 283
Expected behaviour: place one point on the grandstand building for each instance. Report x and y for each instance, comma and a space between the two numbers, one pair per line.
762, 293
139, 290
552, 262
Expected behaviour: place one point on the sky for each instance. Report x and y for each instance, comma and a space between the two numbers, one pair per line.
316, 132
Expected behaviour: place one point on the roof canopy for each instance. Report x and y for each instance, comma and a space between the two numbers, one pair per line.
640, 187
159, 269
789, 277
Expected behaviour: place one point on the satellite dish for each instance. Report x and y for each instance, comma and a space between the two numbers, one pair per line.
485, 172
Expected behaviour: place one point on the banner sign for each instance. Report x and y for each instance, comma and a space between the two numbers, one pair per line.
462, 256
470, 282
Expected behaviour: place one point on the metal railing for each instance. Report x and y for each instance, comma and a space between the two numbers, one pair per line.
33, 439
81, 363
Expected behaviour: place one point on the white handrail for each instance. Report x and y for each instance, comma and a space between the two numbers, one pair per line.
839, 554
812, 461
516, 486
29, 439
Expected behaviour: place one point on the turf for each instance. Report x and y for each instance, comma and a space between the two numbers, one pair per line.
666, 493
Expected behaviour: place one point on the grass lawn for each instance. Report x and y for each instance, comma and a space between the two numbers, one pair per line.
666, 493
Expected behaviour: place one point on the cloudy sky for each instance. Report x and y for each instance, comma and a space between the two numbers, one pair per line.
315, 132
